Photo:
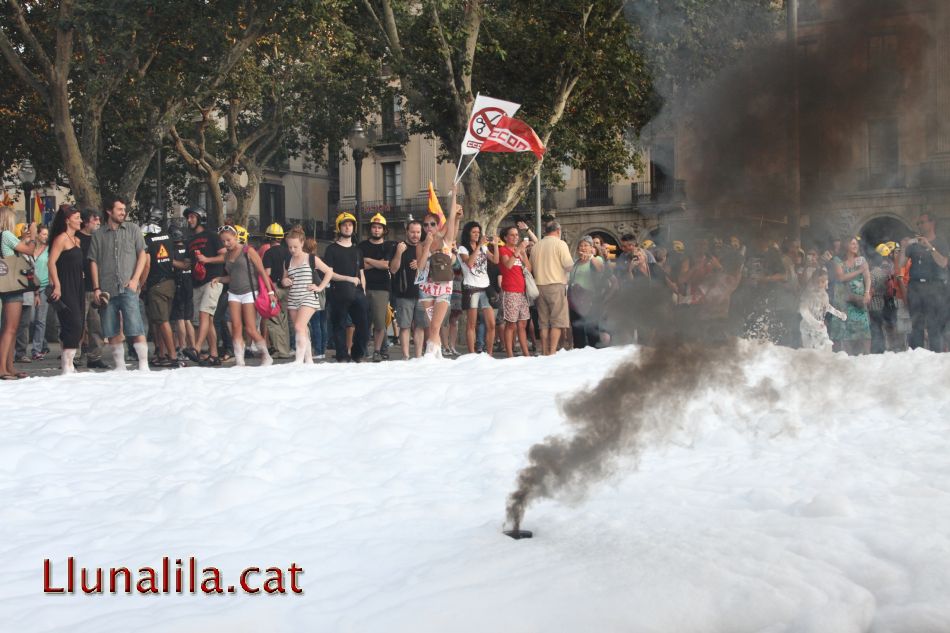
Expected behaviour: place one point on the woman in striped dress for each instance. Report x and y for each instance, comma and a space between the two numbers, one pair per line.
306, 293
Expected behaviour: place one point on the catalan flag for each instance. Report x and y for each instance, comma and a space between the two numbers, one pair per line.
435, 207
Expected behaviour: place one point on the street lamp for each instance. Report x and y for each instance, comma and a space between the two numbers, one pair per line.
358, 143
27, 175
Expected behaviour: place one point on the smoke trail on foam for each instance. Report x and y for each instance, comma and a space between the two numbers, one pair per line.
641, 401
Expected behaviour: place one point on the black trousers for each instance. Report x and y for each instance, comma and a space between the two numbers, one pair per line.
927, 303
347, 299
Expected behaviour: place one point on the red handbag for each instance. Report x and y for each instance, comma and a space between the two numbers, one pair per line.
266, 304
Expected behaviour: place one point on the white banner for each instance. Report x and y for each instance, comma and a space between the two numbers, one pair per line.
485, 113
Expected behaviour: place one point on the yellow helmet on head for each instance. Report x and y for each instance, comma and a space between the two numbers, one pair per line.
678, 246
378, 219
242, 234
648, 244
883, 250
275, 231
346, 216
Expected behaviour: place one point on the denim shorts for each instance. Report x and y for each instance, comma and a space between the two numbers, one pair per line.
126, 303
446, 298
475, 299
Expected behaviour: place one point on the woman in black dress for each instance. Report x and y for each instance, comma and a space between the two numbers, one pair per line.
65, 274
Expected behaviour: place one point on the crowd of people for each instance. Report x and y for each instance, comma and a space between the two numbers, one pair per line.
207, 296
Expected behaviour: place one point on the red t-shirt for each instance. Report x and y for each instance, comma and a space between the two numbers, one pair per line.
512, 279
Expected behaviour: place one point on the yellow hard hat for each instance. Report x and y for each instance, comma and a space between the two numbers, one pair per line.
19, 229
891, 245
648, 244
378, 219
883, 250
275, 231
242, 233
344, 217
678, 246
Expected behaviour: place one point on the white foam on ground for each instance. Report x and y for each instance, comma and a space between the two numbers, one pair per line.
387, 483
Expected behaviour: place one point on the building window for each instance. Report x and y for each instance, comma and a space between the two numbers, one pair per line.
883, 152
272, 204
392, 183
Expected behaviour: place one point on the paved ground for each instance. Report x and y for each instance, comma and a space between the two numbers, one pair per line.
50, 366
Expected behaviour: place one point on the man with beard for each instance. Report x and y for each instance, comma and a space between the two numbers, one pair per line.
410, 317
377, 252
118, 258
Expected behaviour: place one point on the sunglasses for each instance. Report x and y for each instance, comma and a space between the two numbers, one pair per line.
227, 228
430, 224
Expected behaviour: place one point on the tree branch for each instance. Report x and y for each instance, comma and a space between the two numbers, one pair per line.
29, 38
24, 73
446, 52
471, 27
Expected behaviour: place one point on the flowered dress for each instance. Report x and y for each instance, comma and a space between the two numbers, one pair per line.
858, 325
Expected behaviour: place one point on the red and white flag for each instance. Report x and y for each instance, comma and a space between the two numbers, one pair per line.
486, 111
513, 135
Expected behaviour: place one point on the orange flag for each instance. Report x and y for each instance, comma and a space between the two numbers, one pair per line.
435, 207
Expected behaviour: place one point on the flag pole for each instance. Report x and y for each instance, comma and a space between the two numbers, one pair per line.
459, 179
537, 208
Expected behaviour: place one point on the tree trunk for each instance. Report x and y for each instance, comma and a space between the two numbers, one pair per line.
213, 179
134, 172
245, 194
82, 178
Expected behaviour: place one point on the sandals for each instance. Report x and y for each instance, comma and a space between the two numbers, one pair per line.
225, 357
9, 377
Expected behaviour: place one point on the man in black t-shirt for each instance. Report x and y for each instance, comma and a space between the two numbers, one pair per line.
183, 307
347, 294
377, 252
410, 316
927, 285
160, 292
275, 264
92, 341
206, 256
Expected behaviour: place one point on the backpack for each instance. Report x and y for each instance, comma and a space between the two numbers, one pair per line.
440, 267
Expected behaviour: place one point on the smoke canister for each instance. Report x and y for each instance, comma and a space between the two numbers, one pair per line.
519, 534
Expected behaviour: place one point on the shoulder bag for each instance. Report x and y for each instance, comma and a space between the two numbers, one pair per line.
16, 274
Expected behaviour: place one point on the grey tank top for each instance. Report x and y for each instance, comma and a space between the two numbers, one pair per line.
237, 270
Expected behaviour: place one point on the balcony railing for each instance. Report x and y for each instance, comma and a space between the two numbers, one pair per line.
395, 133
599, 195
663, 191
